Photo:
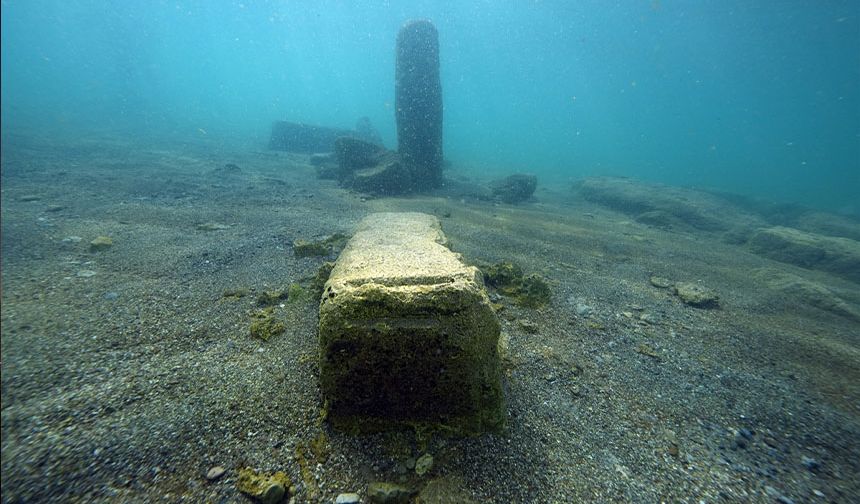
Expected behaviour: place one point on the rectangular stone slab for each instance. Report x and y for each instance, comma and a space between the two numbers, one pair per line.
407, 334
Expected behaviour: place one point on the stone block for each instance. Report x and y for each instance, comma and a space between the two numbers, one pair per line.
407, 334
418, 103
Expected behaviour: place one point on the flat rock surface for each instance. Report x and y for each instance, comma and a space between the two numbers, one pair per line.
399, 249
837, 255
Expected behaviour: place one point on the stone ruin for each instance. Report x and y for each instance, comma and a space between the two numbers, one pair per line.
358, 160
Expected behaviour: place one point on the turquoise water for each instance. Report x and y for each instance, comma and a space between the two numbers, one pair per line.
759, 98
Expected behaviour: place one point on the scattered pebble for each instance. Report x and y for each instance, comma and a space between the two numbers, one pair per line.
86, 273
55, 208
72, 239
215, 473
111, 296
30, 197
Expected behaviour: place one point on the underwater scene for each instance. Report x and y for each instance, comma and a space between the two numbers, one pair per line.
430, 252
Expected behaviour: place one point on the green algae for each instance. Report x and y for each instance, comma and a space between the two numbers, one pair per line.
307, 473
531, 291
265, 487
264, 324
318, 248
317, 285
297, 294
272, 297
101, 243
235, 293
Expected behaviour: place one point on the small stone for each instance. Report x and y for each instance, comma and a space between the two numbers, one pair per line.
111, 296
212, 226
387, 493
660, 282
673, 450
424, 464
267, 488
583, 310
86, 273
30, 197
782, 499
810, 463
739, 441
101, 243
696, 295
528, 326
55, 208
647, 350
215, 473
818, 493
72, 239
347, 498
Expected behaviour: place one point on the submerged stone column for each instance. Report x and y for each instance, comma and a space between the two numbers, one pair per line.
418, 103
407, 334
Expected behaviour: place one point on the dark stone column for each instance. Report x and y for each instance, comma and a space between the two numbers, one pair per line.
418, 103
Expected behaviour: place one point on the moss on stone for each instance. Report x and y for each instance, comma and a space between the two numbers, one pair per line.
305, 248
265, 487
696, 295
235, 293
503, 275
320, 447
531, 291
264, 324
101, 243
272, 297
297, 294
318, 282
307, 474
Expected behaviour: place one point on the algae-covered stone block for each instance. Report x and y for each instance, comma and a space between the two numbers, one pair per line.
407, 333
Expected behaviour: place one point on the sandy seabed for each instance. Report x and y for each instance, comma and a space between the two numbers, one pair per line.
127, 374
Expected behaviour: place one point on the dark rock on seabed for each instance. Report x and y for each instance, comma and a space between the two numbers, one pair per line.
616, 391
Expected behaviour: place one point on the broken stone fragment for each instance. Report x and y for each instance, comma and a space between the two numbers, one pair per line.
265, 487
380, 492
407, 334
696, 295
101, 243
514, 188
